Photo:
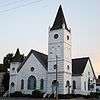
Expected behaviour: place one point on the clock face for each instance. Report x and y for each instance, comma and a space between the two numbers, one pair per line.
56, 36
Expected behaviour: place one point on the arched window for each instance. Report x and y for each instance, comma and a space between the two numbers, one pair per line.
89, 84
74, 84
22, 84
41, 84
84, 85
31, 83
67, 37
67, 83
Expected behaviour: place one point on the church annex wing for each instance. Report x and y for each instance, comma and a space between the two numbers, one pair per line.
79, 64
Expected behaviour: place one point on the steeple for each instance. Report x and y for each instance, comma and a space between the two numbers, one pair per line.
18, 57
17, 52
59, 20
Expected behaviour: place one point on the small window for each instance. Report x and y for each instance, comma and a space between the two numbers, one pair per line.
89, 82
68, 67
32, 69
84, 85
22, 84
67, 37
67, 83
41, 84
74, 84
12, 84
13, 68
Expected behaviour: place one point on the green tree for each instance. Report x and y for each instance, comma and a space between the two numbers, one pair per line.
5, 81
6, 64
7, 60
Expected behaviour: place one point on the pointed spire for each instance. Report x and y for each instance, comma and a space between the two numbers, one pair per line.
17, 52
18, 57
59, 20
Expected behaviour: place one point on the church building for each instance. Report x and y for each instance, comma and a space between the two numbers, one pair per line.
38, 71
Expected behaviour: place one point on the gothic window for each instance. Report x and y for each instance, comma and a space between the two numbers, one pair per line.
68, 67
74, 84
84, 85
22, 84
67, 37
41, 84
12, 84
32, 69
31, 83
67, 83
55, 36
89, 84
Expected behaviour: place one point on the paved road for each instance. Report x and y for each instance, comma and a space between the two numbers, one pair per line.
42, 99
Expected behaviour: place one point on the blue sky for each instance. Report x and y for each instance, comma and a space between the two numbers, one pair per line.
27, 27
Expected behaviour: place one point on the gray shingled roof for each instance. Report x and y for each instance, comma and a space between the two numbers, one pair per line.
59, 20
40, 56
78, 65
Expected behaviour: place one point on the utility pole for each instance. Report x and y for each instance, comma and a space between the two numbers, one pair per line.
56, 78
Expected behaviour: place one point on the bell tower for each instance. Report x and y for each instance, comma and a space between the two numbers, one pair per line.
59, 53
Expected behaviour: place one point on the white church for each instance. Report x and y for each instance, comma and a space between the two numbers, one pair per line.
39, 71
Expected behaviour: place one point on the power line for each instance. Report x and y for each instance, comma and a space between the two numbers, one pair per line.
11, 3
30, 3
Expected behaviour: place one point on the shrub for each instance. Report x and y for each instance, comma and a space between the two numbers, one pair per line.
37, 94
16, 94
94, 94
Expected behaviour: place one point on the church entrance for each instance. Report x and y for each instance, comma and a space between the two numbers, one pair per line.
55, 86
68, 87
32, 83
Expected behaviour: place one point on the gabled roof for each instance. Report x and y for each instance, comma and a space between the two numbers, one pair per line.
79, 64
40, 56
59, 20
